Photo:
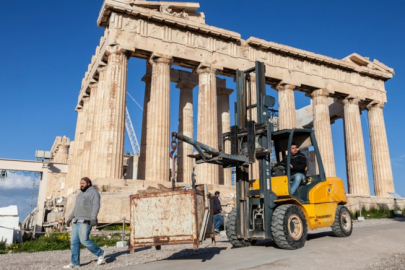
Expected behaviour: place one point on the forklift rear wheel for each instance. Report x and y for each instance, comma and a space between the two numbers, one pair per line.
231, 233
343, 224
289, 227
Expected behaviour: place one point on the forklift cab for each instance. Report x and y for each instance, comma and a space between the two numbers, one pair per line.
281, 160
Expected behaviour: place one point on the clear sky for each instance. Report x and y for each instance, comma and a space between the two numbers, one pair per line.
47, 45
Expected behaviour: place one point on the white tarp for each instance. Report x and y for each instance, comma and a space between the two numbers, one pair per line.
8, 222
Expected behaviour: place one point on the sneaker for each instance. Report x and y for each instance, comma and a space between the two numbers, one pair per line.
69, 266
216, 231
100, 259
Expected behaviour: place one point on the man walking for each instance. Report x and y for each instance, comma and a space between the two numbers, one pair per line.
84, 216
217, 209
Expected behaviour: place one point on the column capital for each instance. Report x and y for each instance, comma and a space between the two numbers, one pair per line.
183, 76
320, 93
206, 69
86, 98
284, 87
93, 85
375, 104
117, 49
185, 85
157, 59
93, 88
224, 91
101, 68
349, 101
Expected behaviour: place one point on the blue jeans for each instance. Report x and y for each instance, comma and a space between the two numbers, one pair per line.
217, 221
80, 234
296, 180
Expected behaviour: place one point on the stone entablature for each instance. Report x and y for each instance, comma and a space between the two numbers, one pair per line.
146, 31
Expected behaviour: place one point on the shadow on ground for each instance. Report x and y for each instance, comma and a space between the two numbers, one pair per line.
203, 254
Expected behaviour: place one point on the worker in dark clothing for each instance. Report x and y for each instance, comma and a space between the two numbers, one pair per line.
298, 165
217, 209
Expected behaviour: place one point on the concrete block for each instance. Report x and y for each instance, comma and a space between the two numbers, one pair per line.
122, 244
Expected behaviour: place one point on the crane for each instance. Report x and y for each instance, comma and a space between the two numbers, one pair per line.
131, 133
130, 129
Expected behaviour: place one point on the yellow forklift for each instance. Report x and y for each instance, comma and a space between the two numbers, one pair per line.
265, 207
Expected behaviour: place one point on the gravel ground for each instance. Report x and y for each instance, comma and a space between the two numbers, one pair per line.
119, 257
393, 262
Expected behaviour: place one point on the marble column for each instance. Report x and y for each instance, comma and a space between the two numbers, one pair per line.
142, 155
80, 142
323, 132
158, 122
207, 127
286, 106
98, 121
110, 147
88, 131
72, 183
224, 125
185, 163
382, 171
254, 170
357, 177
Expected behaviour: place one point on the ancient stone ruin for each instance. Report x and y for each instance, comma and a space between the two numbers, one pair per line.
174, 33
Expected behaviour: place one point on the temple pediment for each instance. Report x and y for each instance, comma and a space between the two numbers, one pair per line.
362, 61
183, 10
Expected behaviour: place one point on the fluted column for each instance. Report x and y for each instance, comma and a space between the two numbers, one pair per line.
112, 133
98, 121
158, 123
254, 171
207, 128
88, 131
286, 106
142, 155
72, 183
184, 163
323, 130
382, 171
81, 139
357, 177
224, 125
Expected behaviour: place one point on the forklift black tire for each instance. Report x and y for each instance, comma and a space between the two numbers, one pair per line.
343, 224
289, 227
231, 233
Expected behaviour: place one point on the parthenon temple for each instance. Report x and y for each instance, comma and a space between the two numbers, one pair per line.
169, 34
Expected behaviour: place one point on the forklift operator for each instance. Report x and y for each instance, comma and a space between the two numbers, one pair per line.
298, 167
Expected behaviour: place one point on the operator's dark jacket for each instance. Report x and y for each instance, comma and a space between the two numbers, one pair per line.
216, 205
299, 163
87, 205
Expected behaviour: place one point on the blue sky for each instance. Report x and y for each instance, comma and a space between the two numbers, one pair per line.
46, 47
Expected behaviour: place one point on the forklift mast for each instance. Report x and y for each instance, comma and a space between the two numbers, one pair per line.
254, 139
250, 143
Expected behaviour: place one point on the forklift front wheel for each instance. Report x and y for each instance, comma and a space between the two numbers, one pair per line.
343, 224
231, 231
289, 227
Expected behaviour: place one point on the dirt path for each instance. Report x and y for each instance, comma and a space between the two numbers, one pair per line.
147, 258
